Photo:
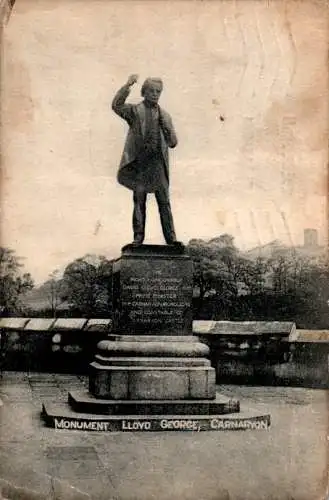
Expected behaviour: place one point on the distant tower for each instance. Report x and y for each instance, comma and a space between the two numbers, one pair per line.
310, 238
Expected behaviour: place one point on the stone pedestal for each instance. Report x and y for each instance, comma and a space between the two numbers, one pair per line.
152, 374
152, 291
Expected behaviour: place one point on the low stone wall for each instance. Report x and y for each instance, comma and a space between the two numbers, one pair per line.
273, 353
305, 363
309, 359
55, 345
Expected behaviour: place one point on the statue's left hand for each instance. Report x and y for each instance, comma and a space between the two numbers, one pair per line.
168, 130
161, 119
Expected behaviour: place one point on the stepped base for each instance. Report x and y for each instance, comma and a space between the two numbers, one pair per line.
86, 403
61, 417
152, 382
152, 367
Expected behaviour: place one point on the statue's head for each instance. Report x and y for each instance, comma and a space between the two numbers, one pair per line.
151, 90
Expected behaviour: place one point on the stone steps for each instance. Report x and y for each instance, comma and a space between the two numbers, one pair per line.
62, 417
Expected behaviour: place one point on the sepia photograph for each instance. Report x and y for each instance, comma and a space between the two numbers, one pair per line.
164, 273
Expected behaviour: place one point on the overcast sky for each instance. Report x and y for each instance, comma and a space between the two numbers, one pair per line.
258, 173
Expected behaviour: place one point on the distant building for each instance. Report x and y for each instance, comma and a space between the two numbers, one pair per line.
267, 250
310, 239
310, 247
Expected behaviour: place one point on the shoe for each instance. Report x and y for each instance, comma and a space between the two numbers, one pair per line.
138, 241
175, 243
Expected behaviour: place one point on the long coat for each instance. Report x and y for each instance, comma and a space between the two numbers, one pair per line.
134, 114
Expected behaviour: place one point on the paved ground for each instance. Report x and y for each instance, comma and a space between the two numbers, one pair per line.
286, 462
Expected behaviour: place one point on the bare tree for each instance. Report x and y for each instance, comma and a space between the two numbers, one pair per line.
55, 292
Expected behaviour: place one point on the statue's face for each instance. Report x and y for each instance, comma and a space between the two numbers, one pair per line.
152, 93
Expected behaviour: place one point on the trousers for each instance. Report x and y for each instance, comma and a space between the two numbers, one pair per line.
139, 214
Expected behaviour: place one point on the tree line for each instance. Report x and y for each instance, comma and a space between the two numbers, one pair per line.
228, 285
286, 285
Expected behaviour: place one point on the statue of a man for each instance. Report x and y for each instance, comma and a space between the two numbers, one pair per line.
144, 166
